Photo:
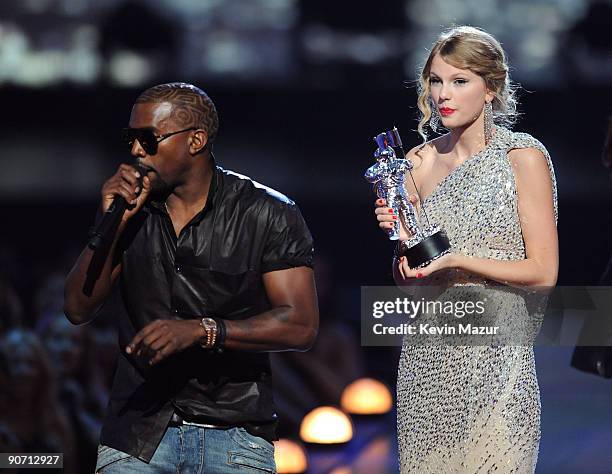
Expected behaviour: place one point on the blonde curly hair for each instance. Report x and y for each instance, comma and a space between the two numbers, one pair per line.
467, 47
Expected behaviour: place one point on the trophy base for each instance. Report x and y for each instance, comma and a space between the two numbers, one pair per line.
426, 250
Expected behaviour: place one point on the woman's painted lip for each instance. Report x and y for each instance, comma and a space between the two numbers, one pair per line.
445, 111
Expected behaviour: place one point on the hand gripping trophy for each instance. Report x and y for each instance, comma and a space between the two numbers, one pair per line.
387, 174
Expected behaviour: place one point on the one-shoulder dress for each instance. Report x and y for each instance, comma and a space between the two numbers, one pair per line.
473, 409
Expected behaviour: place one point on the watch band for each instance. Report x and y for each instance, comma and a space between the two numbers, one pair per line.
209, 339
221, 333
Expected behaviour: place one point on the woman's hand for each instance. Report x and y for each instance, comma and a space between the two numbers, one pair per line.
442, 263
387, 218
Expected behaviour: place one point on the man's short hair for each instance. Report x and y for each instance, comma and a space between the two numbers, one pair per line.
191, 105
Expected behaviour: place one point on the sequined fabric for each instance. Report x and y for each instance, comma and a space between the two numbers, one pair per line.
473, 409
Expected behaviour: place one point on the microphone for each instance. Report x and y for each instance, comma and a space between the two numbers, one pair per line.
110, 220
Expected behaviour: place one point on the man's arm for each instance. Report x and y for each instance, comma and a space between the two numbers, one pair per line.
291, 324
90, 282
91, 279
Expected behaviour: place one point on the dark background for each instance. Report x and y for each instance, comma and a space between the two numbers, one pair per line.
301, 88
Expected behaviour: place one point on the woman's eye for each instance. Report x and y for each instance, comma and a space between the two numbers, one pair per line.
460, 81
434, 80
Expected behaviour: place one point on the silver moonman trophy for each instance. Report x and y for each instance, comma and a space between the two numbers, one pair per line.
388, 174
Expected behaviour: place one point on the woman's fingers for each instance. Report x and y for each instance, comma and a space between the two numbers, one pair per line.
408, 272
385, 214
386, 226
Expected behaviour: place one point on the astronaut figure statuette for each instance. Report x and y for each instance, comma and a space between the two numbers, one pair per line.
388, 175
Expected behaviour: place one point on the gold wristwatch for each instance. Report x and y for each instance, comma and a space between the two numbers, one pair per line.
208, 340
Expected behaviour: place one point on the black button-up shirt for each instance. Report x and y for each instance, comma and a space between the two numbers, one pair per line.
214, 268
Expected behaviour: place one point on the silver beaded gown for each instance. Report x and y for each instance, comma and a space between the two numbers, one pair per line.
474, 409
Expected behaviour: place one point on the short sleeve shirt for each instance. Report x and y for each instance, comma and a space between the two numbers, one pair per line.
213, 268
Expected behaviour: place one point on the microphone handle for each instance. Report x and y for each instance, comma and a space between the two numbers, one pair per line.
110, 220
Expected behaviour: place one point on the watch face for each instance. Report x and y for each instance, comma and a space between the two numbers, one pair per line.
210, 329
208, 322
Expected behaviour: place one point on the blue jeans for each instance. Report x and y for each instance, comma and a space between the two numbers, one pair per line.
194, 450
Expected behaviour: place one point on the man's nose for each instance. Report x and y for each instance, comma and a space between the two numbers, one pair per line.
137, 149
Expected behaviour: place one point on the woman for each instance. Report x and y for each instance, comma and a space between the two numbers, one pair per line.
475, 408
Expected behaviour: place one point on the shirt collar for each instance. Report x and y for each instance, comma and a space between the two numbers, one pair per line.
160, 205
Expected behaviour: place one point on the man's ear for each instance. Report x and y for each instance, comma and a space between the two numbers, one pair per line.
198, 141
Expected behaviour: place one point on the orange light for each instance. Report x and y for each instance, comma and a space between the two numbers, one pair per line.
326, 425
290, 457
366, 397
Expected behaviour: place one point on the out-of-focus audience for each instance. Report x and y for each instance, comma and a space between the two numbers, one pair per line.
54, 377
81, 391
11, 310
30, 413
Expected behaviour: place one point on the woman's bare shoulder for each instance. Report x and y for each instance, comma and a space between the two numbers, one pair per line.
422, 157
421, 154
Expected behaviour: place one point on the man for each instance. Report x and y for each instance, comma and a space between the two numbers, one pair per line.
212, 270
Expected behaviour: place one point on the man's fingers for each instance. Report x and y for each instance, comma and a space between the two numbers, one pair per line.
154, 340
125, 183
119, 188
161, 341
128, 168
141, 194
161, 354
138, 338
135, 343
132, 183
127, 174
130, 176
146, 184
127, 191
163, 348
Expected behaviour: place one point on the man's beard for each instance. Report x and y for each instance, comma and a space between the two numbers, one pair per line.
160, 189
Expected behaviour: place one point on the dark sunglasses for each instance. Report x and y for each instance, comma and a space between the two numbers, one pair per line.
147, 138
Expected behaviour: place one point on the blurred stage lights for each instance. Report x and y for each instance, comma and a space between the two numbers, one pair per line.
290, 457
366, 397
326, 425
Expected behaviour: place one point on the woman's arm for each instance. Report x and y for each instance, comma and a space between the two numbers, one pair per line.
538, 226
